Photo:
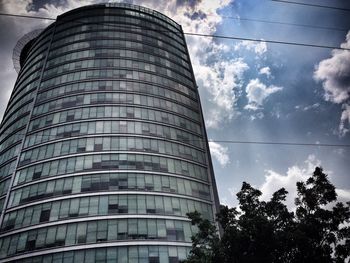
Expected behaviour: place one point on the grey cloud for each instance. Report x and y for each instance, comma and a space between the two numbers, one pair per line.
334, 73
190, 3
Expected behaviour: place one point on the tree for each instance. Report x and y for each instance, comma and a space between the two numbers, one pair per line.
205, 244
260, 231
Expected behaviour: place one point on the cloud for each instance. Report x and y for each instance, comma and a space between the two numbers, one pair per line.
259, 48
265, 71
343, 195
220, 153
257, 92
274, 181
310, 107
221, 80
344, 125
334, 73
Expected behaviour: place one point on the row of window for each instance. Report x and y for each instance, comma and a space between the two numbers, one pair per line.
119, 97
19, 110
166, 78
35, 57
33, 72
10, 153
119, 9
2, 201
21, 90
115, 127
13, 138
101, 112
25, 95
121, 31
91, 62
96, 231
108, 182
124, 33
114, 48
98, 144
19, 95
116, 73
14, 126
131, 254
33, 78
7, 169
114, 63
114, 98
110, 85
107, 162
102, 206
140, 11
4, 186
104, 48
172, 62
118, 44
109, 17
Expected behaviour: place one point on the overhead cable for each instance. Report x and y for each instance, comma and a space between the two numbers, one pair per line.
205, 35
312, 5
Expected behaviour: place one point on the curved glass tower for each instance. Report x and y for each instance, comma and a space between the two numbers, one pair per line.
103, 145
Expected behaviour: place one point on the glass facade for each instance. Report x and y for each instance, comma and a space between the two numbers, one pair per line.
103, 148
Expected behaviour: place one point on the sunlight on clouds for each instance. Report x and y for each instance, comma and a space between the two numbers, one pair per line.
257, 92
221, 79
258, 47
344, 125
275, 181
219, 152
265, 71
334, 73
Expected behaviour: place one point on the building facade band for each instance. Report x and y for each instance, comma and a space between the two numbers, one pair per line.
103, 146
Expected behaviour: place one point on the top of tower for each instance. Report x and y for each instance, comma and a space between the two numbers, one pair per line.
22, 47
24, 44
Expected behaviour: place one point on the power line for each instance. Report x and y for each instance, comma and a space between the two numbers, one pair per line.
281, 143
28, 16
200, 140
204, 35
225, 17
312, 5
282, 23
267, 41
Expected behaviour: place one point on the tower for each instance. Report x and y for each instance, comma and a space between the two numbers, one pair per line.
103, 144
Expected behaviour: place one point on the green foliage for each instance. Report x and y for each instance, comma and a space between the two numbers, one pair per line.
260, 231
205, 242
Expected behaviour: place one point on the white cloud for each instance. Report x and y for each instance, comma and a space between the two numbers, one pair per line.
220, 153
274, 181
221, 80
343, 195
344, 125
334, 73
259, 48
265, 71
257, 92
313, 106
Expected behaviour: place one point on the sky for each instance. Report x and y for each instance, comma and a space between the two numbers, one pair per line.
250, 91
